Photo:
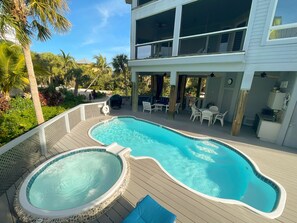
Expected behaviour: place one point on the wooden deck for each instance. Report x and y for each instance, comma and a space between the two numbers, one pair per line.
147, 178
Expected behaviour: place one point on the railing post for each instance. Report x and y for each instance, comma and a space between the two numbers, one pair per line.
82, 113
42, 141
67, 123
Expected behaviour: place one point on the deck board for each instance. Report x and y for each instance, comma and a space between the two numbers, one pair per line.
147, 177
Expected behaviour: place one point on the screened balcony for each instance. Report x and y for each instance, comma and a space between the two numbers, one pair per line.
213, 26
207, 27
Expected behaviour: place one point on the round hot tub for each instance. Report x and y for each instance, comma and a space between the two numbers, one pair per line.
78, 184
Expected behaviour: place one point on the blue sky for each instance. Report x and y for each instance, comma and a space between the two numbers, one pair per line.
98, 27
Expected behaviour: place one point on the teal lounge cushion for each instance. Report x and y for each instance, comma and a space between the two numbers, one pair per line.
149, 211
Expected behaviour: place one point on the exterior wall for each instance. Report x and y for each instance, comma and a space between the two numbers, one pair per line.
260, 55
259, 51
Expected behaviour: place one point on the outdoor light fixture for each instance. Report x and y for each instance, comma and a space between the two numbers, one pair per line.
212, 74
263, 75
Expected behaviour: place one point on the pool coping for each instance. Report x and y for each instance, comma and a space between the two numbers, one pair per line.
282, 195
89, 211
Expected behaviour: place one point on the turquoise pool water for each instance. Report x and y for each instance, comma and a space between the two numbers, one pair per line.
74, 180
206, 166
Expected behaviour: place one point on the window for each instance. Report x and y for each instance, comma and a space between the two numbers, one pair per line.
284, 24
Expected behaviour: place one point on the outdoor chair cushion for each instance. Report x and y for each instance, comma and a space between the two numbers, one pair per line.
149, 211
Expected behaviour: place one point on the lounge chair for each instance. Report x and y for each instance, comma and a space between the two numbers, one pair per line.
149, 211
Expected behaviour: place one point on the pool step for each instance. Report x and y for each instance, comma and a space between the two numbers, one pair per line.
115, 148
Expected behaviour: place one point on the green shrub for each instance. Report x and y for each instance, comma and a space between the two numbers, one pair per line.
21, 117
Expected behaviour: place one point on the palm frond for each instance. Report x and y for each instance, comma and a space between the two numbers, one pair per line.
43, 33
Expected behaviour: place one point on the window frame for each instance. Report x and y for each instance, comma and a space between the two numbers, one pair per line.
270, 27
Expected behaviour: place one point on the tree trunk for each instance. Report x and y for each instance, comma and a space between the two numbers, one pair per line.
76, 89
33, 84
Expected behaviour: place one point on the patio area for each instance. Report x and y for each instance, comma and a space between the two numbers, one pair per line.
277, 162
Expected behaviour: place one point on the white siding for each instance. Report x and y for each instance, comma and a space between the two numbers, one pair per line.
258, 50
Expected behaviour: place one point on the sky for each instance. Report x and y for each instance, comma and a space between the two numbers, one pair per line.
98, 27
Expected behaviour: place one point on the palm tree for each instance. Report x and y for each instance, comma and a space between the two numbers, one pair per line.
120, 65
79, 78
12, 68
27, 17
100, 67
67, 61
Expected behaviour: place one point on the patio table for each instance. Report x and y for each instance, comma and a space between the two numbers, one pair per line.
159, 106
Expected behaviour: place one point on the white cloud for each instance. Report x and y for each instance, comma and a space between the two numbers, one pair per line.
120, 49
89, 41
110, 9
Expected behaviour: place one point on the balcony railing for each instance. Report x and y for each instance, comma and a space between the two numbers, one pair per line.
225, 41
156, 49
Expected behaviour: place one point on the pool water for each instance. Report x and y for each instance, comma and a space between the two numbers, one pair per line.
74, 180
206, 166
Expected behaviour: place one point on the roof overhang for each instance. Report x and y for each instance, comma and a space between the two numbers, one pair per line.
128, 1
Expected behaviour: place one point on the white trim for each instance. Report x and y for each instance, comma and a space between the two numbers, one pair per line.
176, 30
269, 27
250, 25
67, 123
37, 212
284, 26
153, 42
283, 194
218, 58
269, 20
213, 33
82, 113
41, 128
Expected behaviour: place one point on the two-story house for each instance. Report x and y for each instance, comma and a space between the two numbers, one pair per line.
247, 51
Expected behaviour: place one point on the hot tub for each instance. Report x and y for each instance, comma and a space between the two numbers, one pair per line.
78, 185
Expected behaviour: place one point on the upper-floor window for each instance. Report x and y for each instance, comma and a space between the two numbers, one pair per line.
284, 24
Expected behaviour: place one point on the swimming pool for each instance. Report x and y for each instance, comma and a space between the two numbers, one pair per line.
205, 166
76, 183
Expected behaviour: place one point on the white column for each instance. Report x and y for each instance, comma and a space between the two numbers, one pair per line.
247, 79
177, 22
173, 78
67, 123
133, 76
133, 37
134, 4
82, 113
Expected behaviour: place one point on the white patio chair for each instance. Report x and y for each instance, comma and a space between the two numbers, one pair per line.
220, 117
177, 105
195, 113
214, 108
206, 115
147, 107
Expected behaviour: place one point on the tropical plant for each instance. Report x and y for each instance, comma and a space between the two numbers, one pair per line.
120, 65
68, 61
101, 69
12, 68
78, 76
27, 17
51, 65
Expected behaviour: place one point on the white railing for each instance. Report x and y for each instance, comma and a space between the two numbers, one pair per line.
41, 128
